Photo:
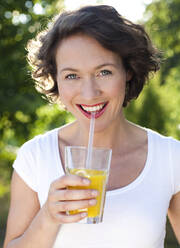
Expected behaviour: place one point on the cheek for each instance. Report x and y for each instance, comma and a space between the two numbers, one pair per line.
66, 93
117, 90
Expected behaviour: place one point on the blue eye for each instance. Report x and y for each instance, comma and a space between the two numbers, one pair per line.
105, 72
71, 76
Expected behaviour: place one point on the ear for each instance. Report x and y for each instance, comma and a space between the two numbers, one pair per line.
128, 75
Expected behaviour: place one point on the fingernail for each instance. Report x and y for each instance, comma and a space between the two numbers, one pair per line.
92, 202
86, 181
83, 214
94, 192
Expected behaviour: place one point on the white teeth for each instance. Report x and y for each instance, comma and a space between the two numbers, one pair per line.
93, 109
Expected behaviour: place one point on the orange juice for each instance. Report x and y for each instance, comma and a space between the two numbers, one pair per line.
98, 181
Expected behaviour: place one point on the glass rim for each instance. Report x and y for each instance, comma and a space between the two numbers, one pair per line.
85, 148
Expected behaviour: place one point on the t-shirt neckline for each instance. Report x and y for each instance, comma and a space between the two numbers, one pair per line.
131, 185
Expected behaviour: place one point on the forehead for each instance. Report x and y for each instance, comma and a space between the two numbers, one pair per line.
81, 49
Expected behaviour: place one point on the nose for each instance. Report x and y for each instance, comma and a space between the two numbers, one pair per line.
90, 89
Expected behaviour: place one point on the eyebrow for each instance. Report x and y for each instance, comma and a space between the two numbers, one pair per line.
98, 67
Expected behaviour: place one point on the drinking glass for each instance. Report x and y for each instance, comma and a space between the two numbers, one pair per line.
97, 172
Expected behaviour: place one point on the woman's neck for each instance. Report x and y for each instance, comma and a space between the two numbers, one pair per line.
112, 137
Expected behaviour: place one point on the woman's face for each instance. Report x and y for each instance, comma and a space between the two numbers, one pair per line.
90, 79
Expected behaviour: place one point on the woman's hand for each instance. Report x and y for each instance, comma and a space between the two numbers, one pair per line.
61, 199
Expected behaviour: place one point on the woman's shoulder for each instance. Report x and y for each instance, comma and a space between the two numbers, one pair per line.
48, 138
160, 136
40, 140
165, 140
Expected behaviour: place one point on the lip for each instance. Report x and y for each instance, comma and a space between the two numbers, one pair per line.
97, 115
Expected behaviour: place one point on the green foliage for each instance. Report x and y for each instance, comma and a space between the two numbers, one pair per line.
148, 111
19, 21
157, 107
49, 117
164, 28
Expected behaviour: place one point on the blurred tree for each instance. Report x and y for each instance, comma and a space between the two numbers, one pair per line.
164, 27
19, 21
157, 107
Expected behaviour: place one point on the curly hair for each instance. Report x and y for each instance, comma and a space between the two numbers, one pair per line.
115, 33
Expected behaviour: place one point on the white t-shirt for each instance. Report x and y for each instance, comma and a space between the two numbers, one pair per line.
134, 215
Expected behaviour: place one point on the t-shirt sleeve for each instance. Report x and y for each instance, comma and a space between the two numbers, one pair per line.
24, 165
175, 158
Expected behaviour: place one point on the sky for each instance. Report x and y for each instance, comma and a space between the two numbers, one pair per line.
130, 9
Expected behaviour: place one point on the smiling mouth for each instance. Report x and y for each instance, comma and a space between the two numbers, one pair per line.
98, 109
90, 109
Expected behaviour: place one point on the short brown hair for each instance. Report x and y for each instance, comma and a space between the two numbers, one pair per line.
111, 30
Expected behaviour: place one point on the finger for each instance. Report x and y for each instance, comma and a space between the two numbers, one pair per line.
64, 218
70, 180
64, 195
64, 206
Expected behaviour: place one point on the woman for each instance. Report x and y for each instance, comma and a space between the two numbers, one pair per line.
93, 60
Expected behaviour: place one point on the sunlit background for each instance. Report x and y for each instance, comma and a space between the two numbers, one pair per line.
131, 9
